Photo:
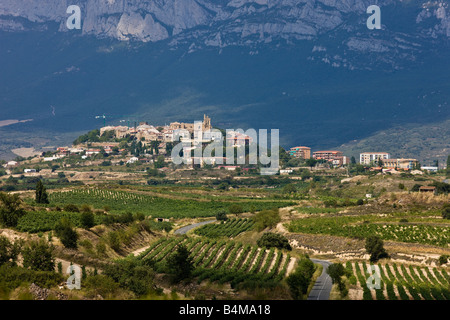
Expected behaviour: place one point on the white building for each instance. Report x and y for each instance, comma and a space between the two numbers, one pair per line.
133, 160
431, 169
11, 164
368, 158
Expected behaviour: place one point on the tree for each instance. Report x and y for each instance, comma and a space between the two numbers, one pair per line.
266, 219
159, 161
380, 162
443, 259
273, 240
289, 188
38, 256
10, 209
353, 160
446, 211
236, 209
180, 264
336, 271
8, 251
375, 247
436, 163
221, 215
87, 219
311, 162
300, 279
66, 233
448, 166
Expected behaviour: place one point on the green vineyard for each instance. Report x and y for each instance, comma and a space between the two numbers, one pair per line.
357, 227
121, 201
42, 221
401, 282
230, 228
223, 261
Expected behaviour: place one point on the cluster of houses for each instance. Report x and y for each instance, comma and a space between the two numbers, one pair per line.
200, 133
377, 161
335, 157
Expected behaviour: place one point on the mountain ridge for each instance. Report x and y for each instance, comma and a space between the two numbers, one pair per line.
309, 67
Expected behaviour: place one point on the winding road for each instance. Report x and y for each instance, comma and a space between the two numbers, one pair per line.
185, 229
322, 287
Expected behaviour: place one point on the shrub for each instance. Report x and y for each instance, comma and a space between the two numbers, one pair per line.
100, 248
180, 264
236, 209
66, 233
443, 259
13, 277
101, 285
221, 216
10, 209
274, 240
446, 212
289, 188
139, 216
87, 219
360, 202
114, 241
132, 275
267, 219
375, 247
38, 256
299, 280
71, 208
8, 251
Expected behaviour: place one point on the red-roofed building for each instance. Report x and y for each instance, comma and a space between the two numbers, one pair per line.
333, 156
300, 152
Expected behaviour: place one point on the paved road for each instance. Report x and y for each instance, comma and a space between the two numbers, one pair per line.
322, 287
192, 226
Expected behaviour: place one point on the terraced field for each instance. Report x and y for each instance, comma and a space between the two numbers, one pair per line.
401, 282
230, 228
121, 201
224, 261
385, 228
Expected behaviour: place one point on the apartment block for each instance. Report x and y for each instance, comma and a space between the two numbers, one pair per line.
368, 158
300, 152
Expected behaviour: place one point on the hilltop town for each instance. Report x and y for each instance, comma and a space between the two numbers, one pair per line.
147, 144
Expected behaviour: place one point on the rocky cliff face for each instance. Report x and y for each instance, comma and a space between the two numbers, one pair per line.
213, 23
